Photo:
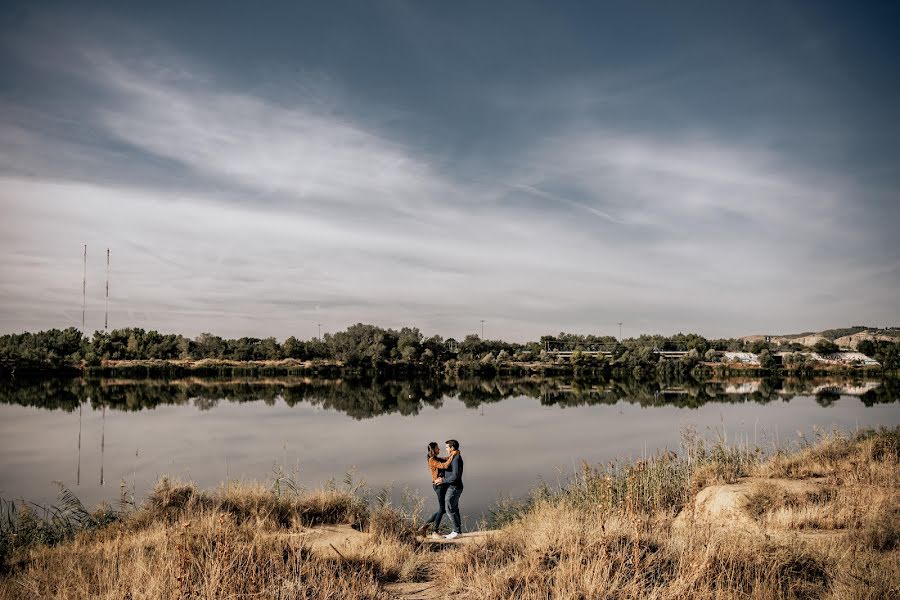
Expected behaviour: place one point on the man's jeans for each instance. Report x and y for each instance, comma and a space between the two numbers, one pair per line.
453, 494
436, 518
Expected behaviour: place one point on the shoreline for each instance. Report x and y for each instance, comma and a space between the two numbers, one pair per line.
578, 367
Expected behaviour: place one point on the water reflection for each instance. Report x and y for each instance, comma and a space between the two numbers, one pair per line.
93, 434
364, 399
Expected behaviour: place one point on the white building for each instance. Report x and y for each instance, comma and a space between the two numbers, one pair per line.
846, 358
746, 358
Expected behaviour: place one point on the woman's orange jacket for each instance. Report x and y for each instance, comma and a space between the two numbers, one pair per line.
437, 463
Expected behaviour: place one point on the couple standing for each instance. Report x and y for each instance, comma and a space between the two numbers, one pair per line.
447, 481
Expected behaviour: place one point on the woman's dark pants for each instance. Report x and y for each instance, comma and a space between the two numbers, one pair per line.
436, 518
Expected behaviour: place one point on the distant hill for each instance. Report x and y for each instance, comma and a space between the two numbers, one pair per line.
846, 337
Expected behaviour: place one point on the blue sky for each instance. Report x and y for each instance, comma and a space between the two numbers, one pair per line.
724, 168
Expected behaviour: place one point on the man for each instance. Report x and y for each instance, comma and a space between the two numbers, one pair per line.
453, 479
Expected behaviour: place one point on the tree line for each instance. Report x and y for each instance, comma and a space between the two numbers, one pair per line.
363, 345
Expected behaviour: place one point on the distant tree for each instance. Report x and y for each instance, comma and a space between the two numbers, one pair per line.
133, 346
824, 347
867, 347
471, 348
796, 360
317, 348
888, 354
208, 345
436, 347
767, 360
184, 347
270, 349
54, 347
292, 348
362, 343
758, 346
833, 334
689, 341
409, 343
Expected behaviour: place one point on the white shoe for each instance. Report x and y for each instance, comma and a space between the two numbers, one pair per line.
452, 535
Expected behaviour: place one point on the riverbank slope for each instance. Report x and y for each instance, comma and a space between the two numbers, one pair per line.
821, 521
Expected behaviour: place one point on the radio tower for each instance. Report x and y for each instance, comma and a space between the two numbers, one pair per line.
83, 285
106, 315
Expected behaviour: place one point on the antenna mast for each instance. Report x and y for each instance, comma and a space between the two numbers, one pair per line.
83, 285
106, 315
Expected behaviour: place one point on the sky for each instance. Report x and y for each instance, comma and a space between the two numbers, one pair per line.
257, 170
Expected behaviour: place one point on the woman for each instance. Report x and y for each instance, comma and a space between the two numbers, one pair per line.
437, 465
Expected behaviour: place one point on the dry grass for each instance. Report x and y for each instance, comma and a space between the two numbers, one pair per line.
610, 533
558, 551
844, 509
236, 541
210, 556
870, 458
855, 490
256, 504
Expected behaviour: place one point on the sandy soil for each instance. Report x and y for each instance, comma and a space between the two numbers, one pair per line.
725, 507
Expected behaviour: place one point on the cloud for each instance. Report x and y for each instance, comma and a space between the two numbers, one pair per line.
252, 214
290, 147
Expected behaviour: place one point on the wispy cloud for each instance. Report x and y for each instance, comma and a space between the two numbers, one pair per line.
256, 214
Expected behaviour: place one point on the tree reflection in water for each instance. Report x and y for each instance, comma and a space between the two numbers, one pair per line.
363, 399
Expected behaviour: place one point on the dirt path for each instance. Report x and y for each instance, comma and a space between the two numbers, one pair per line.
429, 589
341, 539
426, 590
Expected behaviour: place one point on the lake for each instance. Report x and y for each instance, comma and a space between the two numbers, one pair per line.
93, 435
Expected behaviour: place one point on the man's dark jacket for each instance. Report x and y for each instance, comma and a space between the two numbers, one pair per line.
453, 474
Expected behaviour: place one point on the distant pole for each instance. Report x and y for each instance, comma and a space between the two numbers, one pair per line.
320, 332
620, 331
106, 315
482, 329
83, 285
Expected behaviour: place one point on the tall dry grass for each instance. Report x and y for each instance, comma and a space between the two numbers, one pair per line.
209, 556
661, 483
240, 540
256, 504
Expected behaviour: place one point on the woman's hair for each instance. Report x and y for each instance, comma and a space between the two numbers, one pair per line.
433, 449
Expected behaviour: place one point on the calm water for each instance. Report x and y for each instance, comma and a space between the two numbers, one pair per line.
512, 433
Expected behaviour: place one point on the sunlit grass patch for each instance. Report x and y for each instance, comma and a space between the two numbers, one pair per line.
254, 502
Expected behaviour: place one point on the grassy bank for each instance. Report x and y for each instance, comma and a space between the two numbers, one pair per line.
585, 367
712, 521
